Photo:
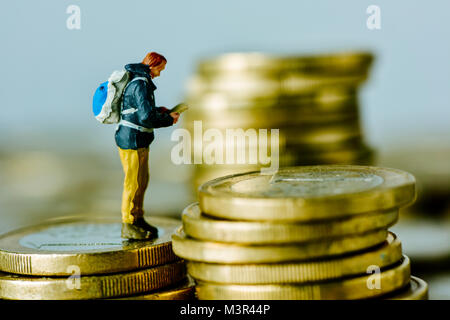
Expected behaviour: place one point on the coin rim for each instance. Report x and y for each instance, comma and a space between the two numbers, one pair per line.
417, 290
385, 255
183, 291
349, 288
14, 287
217, 252
199, 226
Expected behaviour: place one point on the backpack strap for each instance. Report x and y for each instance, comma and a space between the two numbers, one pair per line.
138, 78
134, 79
135, 126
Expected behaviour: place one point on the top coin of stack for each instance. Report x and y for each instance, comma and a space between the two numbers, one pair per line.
312, 100
307, 232
86, 258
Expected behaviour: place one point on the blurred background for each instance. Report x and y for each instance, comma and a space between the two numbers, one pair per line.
56, 159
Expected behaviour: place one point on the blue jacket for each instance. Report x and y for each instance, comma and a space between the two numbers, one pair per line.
140, 95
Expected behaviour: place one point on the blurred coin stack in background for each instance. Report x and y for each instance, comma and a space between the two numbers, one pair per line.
312, 232
312, 100
87, 259
425, 226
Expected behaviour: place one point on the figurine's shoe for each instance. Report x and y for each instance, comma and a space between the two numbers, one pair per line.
140, 222
139, 230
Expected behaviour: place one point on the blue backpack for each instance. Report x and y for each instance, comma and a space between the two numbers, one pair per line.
106, 104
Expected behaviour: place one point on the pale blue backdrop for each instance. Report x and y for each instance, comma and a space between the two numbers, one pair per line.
50, 72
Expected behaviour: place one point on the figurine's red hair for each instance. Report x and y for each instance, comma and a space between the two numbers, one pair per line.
153, 59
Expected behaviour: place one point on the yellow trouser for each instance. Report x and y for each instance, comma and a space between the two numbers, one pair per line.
135, 167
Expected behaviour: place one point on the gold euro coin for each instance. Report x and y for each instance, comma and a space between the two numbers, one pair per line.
202, 227
327, 144
93, 245
260, 119
204, 173
217, 252
385, 255
16, 287
356, 155
180, 291
247, 86
362, 287
322, 101
317, 134
347, 155
335, 63
339, 136
416, 290
316, 154
307, 193
285, 144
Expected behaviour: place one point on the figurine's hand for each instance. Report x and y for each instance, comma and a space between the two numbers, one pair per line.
163, 109
175, 116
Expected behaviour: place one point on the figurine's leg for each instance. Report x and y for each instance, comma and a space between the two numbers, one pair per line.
143, 178
135, 167
131, 185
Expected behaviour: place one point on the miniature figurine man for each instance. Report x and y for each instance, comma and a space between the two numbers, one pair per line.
139, 117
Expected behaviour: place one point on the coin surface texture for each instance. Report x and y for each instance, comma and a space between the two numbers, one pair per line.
307, 193
94, 246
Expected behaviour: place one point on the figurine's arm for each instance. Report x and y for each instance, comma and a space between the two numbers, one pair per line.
148, 115
162, 109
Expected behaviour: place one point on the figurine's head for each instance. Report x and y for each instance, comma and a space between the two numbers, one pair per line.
156, 62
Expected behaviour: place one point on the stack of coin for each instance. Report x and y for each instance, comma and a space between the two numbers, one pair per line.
86, 258
311, 100
312, 232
